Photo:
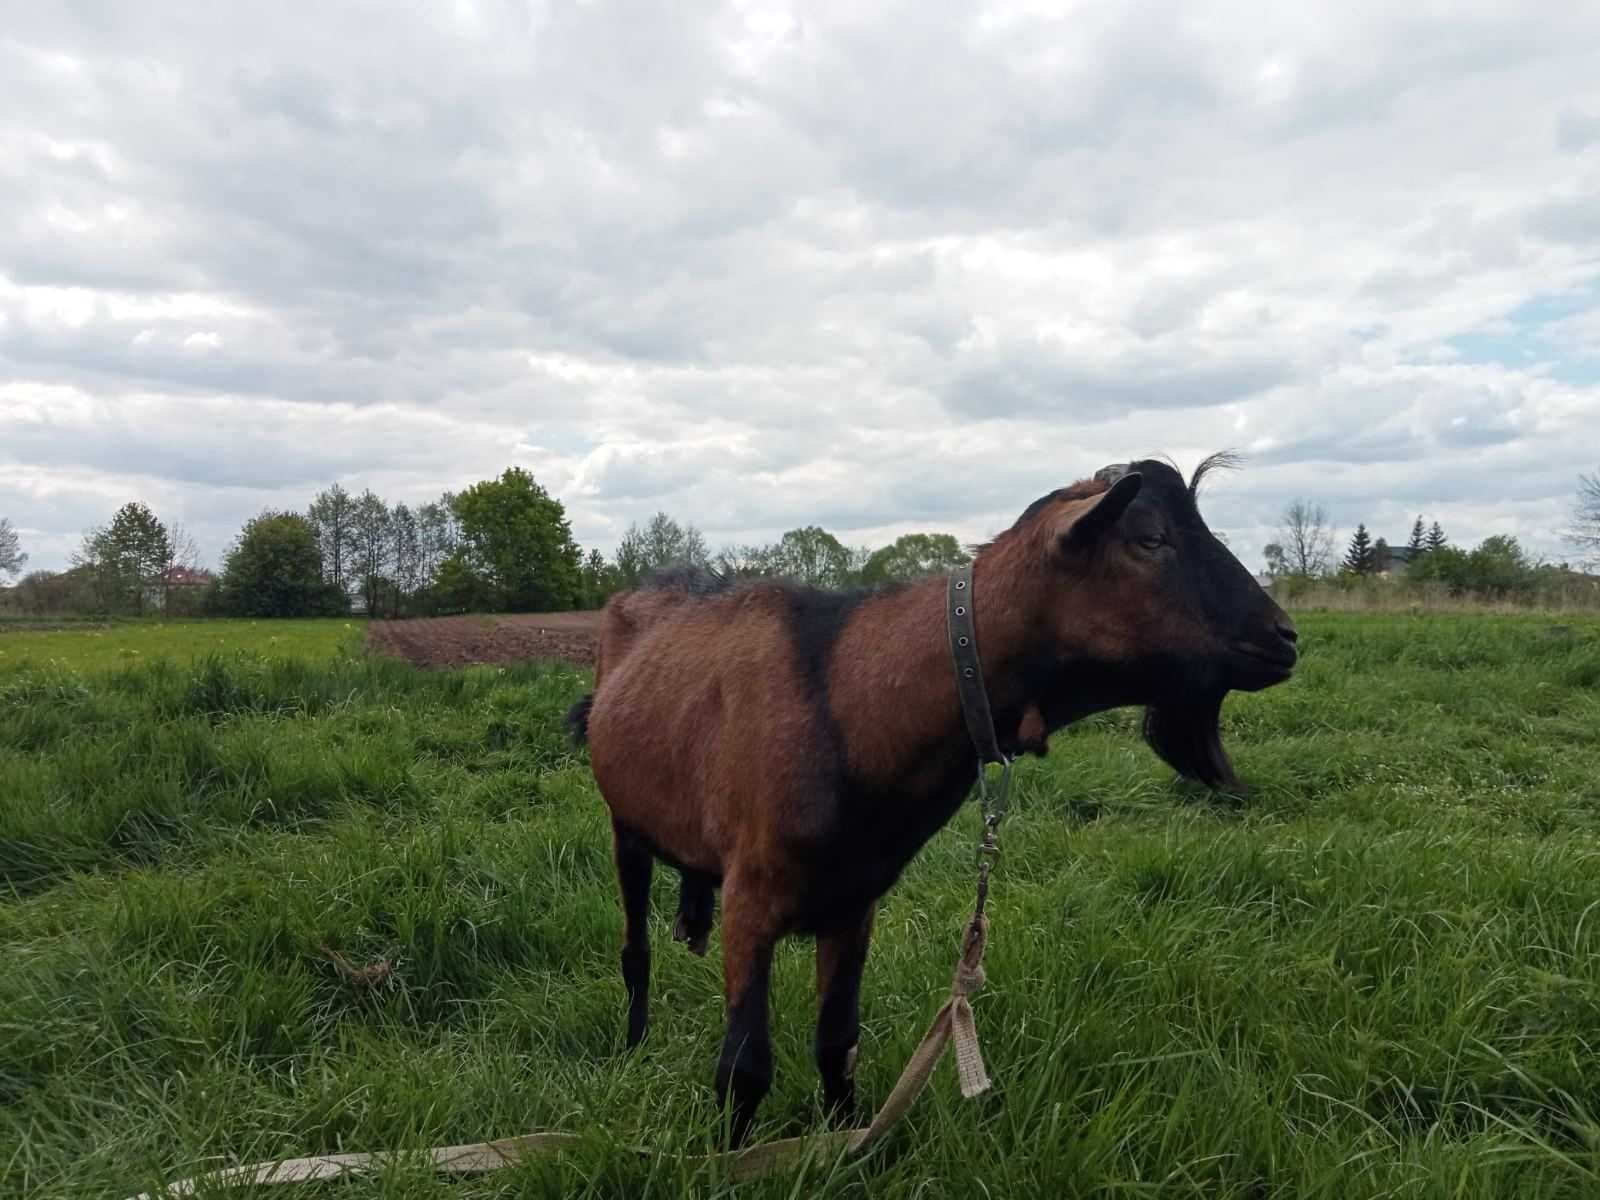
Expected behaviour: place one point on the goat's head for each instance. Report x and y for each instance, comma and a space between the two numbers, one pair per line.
1143, 598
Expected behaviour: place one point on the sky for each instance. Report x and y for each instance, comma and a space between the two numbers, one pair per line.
882, 268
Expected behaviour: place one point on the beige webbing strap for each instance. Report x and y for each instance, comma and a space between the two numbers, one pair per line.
953, 1022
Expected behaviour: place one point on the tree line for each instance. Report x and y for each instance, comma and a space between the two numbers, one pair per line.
501, 545
1498, 566
505, 544
128, 565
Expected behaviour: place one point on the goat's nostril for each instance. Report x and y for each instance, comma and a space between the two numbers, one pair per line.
1288, 632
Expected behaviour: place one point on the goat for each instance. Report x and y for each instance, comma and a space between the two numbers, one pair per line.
622, 622
796, 747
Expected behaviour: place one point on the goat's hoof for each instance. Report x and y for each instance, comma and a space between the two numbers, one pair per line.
840, 1112
697, 940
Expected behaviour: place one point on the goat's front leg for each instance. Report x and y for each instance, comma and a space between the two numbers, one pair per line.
750, 928
635, 865
841, 956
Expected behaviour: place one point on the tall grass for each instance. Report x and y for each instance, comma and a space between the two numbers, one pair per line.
1398, 596
1379, 975
88, 645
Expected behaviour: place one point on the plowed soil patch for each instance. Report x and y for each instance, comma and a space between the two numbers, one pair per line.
568, 637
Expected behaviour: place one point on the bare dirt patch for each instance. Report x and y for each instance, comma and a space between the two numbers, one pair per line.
444, 642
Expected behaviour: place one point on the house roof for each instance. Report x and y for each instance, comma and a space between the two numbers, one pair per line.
188, 577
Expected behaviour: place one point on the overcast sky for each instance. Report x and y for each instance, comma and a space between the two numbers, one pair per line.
877, 268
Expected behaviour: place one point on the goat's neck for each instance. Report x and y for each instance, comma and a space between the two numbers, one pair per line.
892, 685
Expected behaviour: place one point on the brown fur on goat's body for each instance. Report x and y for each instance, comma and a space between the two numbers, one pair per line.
799, 747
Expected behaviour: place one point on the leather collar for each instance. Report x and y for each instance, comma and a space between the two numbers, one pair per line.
969, 671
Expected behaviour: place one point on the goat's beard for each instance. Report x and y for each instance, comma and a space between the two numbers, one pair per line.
1187, 734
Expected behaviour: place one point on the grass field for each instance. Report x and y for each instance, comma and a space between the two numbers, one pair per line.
97, 646
1378, 976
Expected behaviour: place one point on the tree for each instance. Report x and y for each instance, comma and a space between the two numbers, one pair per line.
370, 543
912, 556
1584, 535
747, 561
1382, 556
1436, 539
126, 558
1277, 561
11, 556
1358, 559
516, 536
1306, 538
1499, 565
600, 580
182, 553
458, 588
41, 592
274, 569
630, 558
1418, 536
1446, 565
104, 589
667, 543
438, 536
812, 555
405, 555
332, 517
661, 543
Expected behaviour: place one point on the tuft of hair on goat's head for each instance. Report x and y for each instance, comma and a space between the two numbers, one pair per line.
1140, 600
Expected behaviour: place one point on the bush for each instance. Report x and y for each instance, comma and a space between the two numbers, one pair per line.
1497, 569
457, 588
274, 569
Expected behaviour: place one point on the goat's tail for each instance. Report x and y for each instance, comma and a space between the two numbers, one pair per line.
578, 719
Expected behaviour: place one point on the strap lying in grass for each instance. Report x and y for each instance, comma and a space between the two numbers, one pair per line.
953, 1022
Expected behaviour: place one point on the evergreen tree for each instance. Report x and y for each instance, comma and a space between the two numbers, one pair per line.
1358, 558
126, 558
1418, 537
1436, 539
1382, 556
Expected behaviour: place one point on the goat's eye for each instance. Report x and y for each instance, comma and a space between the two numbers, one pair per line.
1153, 542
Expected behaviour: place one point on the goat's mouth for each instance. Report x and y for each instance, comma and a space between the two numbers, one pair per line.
1274, 662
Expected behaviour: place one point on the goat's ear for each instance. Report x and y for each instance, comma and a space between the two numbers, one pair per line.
1087, 527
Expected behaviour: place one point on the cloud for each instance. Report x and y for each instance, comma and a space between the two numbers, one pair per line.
878, 267
1041, 377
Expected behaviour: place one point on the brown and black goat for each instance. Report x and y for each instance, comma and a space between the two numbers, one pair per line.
796, 747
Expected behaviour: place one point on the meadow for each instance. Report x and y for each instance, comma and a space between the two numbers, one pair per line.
1378, 974
82, 645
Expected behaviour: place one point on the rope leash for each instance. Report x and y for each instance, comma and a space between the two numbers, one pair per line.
953, 1023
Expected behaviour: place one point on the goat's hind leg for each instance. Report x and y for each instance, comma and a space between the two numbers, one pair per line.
841, 956
697, 902
744, 1073
635, 865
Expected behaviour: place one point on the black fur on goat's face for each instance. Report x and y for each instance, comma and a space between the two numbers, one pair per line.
1176, 621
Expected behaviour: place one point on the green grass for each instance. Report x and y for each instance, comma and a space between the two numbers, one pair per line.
1378, 976
95, 646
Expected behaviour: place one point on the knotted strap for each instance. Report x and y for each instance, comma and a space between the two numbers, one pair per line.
953, 1022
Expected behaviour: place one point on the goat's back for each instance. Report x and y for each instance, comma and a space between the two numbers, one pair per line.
702, 712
